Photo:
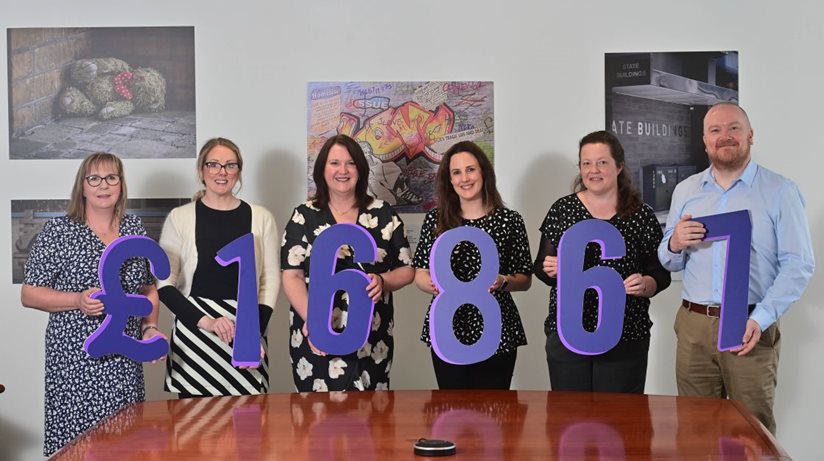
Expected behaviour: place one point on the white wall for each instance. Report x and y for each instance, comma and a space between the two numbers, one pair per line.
546, 59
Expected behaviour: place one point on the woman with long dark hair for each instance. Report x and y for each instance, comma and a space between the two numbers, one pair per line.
468, 196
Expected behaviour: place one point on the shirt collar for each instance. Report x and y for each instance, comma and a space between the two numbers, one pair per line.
747, 176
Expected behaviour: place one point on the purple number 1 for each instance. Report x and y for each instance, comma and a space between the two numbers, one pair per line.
246, 350
736, 228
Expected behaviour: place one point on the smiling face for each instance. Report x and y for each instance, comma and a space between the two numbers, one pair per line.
103, 196
221, 182
466, 176
340, 172
599, 171
727, 137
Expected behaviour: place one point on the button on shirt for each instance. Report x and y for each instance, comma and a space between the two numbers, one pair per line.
781, 255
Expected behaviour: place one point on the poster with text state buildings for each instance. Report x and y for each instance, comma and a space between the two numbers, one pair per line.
403, 127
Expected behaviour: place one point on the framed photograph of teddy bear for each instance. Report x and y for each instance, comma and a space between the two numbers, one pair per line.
125, 90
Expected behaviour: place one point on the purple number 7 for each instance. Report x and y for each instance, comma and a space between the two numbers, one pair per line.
736, 228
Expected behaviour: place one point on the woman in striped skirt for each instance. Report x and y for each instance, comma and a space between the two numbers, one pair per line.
202, 294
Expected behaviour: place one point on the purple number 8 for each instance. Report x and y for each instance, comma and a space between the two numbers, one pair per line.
453, 293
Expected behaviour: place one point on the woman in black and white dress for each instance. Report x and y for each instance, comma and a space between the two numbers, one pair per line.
202, 294
341, 175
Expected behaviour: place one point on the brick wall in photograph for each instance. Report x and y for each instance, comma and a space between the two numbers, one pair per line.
38, 58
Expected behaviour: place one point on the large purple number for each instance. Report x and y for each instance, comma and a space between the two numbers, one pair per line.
453, 293
325, 283
573, 282
736, 228
246, 349
119, 306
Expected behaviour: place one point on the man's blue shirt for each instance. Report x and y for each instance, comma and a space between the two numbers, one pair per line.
781, 255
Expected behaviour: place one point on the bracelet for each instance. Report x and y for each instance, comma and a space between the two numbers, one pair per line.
147, 328
382, 280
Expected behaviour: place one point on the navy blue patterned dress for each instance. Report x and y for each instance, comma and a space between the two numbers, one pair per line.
80, 390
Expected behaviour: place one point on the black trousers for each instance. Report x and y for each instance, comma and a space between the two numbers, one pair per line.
493, 373
621, 369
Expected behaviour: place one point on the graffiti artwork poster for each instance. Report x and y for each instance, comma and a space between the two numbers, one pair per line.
403, 127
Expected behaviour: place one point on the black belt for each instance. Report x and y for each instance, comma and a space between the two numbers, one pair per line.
709, 311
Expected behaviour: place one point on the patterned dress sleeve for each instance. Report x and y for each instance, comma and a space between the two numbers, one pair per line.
651, 239
425, 240
140, 229
41, 267
517, 257
395, 233
295, 247
548, 246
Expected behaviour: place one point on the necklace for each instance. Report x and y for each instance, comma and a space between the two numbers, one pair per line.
342, 213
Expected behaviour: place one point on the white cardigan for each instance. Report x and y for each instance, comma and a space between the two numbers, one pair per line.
178, 241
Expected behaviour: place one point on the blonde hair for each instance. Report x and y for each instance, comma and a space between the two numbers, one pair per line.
77, 202
201, 162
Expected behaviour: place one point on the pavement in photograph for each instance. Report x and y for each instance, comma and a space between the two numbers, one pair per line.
168, 134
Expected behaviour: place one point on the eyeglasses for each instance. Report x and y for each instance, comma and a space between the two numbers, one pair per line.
214, 167
95, 180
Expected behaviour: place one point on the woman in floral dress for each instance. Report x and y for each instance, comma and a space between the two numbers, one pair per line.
341, 175
60, 277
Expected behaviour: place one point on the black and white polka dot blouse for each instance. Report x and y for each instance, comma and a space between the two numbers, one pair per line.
507, 229
642, 234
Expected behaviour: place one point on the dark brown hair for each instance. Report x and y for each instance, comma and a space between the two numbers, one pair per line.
449, 204
362, 197
629, 199
77, 202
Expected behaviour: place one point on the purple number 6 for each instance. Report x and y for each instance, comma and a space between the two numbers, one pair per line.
573, 283
325, 283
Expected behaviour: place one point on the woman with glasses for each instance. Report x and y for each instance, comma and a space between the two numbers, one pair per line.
201, 293
341, 175
60, 278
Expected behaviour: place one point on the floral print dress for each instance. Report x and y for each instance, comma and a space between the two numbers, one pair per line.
368, 368
81, 390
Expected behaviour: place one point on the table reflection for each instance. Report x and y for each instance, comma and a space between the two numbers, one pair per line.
485, 425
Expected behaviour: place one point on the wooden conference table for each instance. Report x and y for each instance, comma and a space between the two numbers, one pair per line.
485, 425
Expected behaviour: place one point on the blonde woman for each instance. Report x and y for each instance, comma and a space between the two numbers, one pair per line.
202, 294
